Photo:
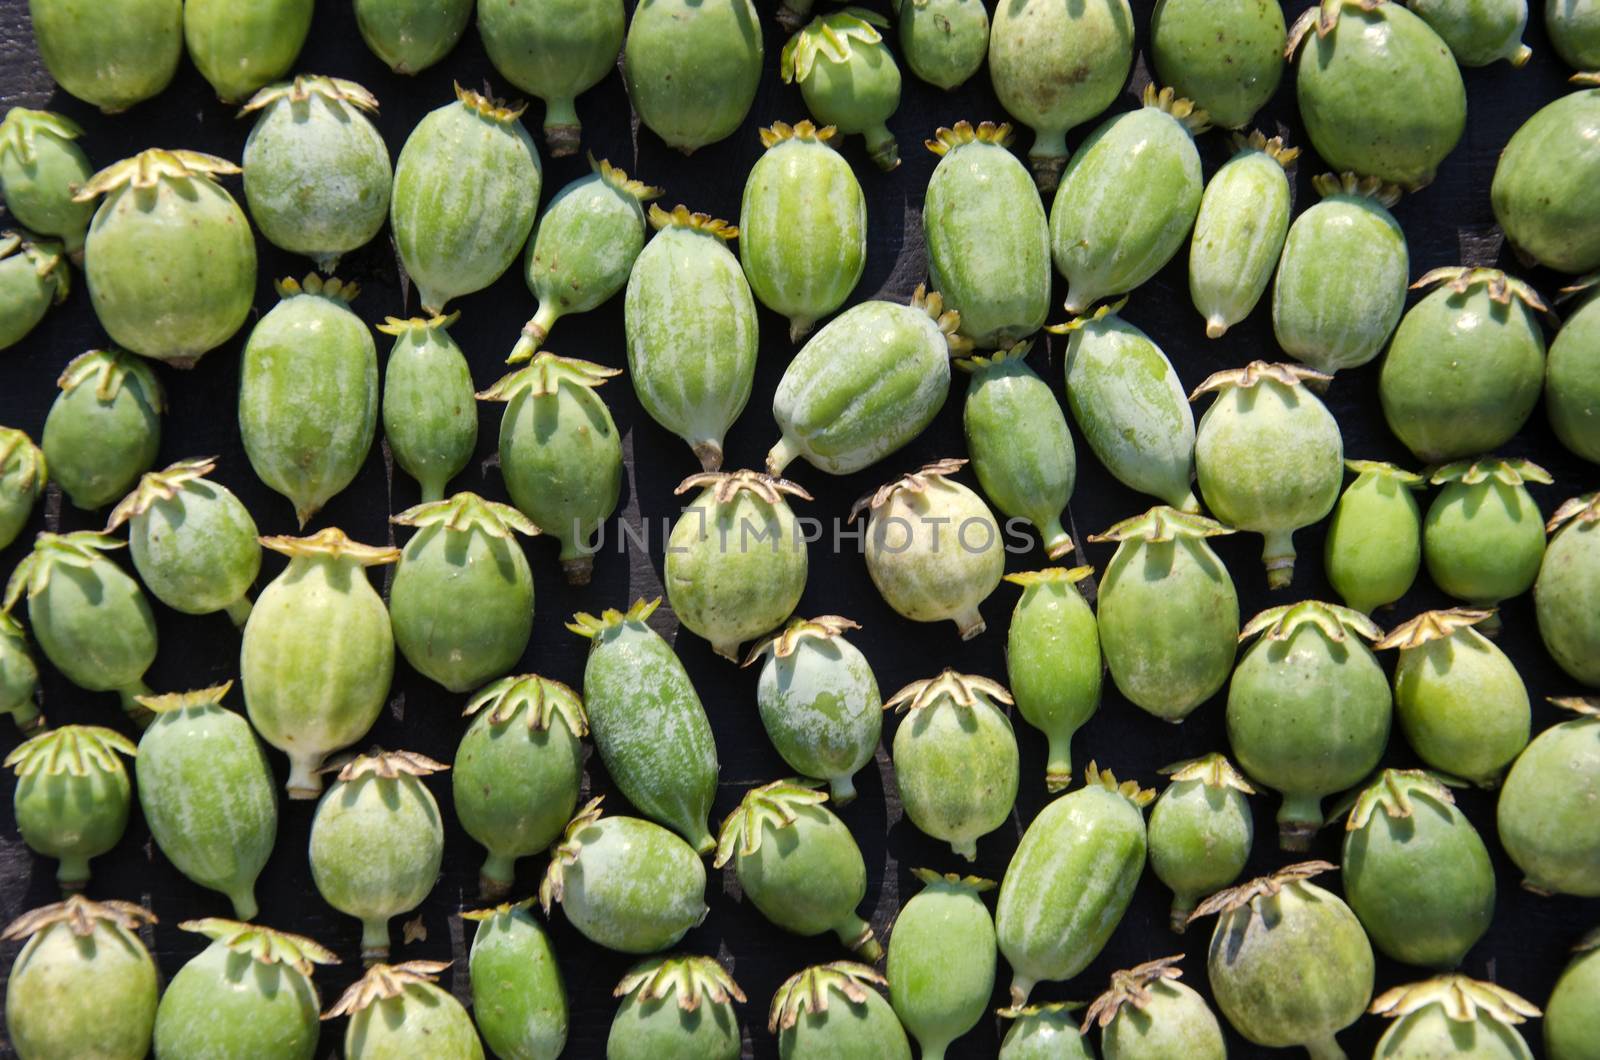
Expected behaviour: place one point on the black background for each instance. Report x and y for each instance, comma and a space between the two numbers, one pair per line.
1448, 223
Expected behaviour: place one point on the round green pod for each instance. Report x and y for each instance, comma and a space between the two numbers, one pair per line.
942, 960
19, 677
1044, 1032
519, 998
412, 35
1574, 30
1374, 544
848, 77
23, 475
1226, 55
832, 1010
397, 1012
1571, 378
1053, 662
1201, 832
556, 51
242, 47
206, 792
110, 62
1546, 162
33, 277
1572, 1015
1479, 32
944, 41
72, 796
1483, 537
1239, 230
1452, 1015
104, 428
676, 1008
517, 771
1564, 592
692, 68
802, 226
39, 165
430, 419
1546, 812
308, 393
1148, 1015
461, 601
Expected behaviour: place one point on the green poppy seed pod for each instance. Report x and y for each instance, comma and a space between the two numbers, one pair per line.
72, 796
1572, 1015
1452, 1015
1417, 874
316, 170
944, 41
675, 1008
1572, 374
1053, 662
110, 62
104, 427
1483, 538
1379, 92
802, 225
517, 771
1543, 165
1308, 709
412, 35
430, 419
1546, 812
560, 453
22, 480
167, 207
1374, 544
1126, 399
1148, 1015
1227, 57
555, 51
835, 1010
377, 841
933, 547
692, 68
1240, 228
39, 165
1563, 594
1168, 613
466, 188
1269, 456
987, 234
1460, 700
33, 277
648, 723
1031, 43
243, 47
207, 794
1479, 33
91, 620
1201, 832
83, 985
1574, 30
462, 597
942, 960
1289, 964
397, 1010
583, 249
519, 997
19, 677
1070, 881
1127, 199
691, 326
308, 393
808, 877
624, 883
848, 77
1044, 1032
318, 654
866, 384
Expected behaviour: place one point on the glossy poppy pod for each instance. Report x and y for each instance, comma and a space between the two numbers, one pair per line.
1569, 578
377, 841
90, 619
398, 1010
519, 997
835, 1010
807, 876
19, 677
412, 35
692, 68
942, 960
691, 329
429, 417
249, 993
1574, 30
1289, 964
1148, 1015
583, 249
1545, 815
1460, 700
1201, 832
1053, 661
1483, 538
39, 164
933, 547
1543, 165
1044, 1032
316, 170
1572, 1015
1308, 709
83, 985
1168, 614
1241, 224
624, 883
555, 51
318, 653
72, 795
1228, 57
33, 276
676, 1008
848, 77
648, 722
23, 475
111, 63
1070, 880
1452, 1015
1572, 371
1374, 543
242, 47
466, 188
819, 701
517, 771
560, 452
944, 41
736, 558
1479, 34
104, 427
866, 384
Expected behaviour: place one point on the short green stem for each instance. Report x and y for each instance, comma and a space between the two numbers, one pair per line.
933, 1050
727, 649
843, 788
1048, 158
244, 903
709, 452
856, 934
239, 610
1325, 1049
1299, 819
1058, 770
1188, 503
26, 715
782, 455
374, 938
967, 848
1021, 987
535, 332
1057, 542
970, 622
497, 875
562, 129
137, 712
304, 780
1278, 555
73, 872
1182, 906
882, 148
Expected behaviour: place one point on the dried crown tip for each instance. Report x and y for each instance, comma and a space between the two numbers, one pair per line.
779, 132
1194, 119
972, 362
832, 36
544, 699
1273, 148
947, 139
31, 470
544, 374
1130, 987
1325, 16
1409, 479
1213, 770
617, 178
1258, 372
21, 125
1508, 472
1585, 77
692, 979
1012, 1012
565, 852
110, 371
386, 765
1353, 184
171, 702
1583, 706
1393, 792
72, 750
384, 982
1431, 626
332, 288
495, 110
1051, 576
918, 481
787, 642
45, 255
467, 512
1161, 524
726, 485
587, 625
303, 87
80, 549
80, 915
1093, 776
680, 216
976, 884
1281, 623
962, 690
1103, 310
808, 990
147, 168
1584, 510
163, 485
331, 543
263, 944
1500, 287
398, 326
503, 909
1261, 887
1463, 1000
949, 320
776, 804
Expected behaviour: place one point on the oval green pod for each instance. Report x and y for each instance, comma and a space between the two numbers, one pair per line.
1572, 374
19, 677
242, 47
39, 164
1563, 594
1572, 1016
1545, 814
519, 997
412, 35
110, 62
1044, 1032
33, 277
848, 77
1479, 32
944, 41
430, 417
802, 226
648, 723
1148, 1015
1227, 56
104, 427
1374, 544
1070, 881
517, 771
555, 51
676, 1008
396, 1011
1452, 1016
692, 68
1239, 230
942, 960
1574, 29
461, 601
1543, 165
72, 796
1483, 537
1201, 832
834, 1010
23, 475
1053, 662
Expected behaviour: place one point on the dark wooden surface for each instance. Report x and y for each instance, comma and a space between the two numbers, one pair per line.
1448, 223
